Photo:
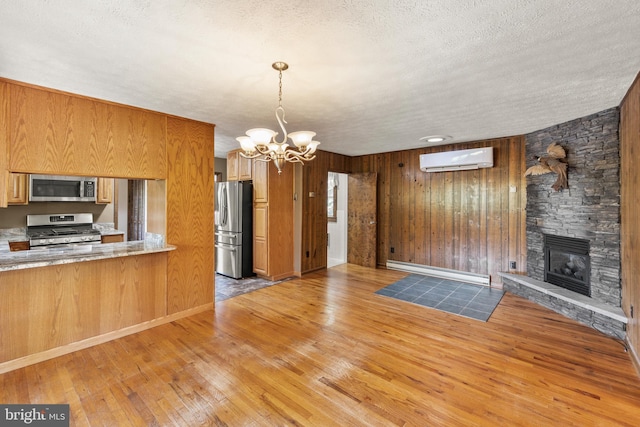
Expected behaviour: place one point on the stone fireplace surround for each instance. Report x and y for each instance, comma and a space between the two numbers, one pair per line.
589, 209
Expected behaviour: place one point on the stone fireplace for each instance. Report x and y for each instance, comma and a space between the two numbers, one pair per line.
585, 217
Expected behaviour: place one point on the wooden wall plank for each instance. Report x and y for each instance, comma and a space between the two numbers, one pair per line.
382, 162
630, 220
448, 210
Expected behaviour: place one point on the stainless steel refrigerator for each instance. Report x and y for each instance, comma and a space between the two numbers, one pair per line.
234, 234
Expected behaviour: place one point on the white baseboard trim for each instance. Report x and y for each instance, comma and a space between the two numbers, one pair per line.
444, 273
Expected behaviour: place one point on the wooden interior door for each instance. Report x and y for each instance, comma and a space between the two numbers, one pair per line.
362, 219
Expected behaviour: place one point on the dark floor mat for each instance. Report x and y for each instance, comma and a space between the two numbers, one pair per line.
464, 299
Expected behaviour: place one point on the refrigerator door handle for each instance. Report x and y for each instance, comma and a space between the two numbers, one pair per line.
231, 236
232, 249
225, 206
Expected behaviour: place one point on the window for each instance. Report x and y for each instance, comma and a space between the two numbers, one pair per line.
332, 197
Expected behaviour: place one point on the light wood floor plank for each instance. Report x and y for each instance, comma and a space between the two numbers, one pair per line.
325, 350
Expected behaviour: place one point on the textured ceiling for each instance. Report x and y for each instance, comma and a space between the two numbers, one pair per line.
367, 76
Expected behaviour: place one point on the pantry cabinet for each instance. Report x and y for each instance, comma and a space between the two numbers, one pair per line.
272, 221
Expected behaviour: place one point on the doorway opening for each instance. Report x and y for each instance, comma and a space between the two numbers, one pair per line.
337, 210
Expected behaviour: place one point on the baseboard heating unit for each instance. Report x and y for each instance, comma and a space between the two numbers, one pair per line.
443, 273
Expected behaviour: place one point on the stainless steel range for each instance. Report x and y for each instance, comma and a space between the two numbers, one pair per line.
61, 229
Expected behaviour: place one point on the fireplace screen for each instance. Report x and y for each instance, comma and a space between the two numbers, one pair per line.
567, 263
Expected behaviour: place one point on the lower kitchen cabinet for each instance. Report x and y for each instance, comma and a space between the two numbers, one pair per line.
260, 248
112, 238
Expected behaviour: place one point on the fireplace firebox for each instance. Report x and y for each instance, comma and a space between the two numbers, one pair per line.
567, 263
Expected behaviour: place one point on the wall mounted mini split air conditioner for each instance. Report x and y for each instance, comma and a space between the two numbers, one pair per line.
474, 158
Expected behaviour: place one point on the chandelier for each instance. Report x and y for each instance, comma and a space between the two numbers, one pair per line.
261, 143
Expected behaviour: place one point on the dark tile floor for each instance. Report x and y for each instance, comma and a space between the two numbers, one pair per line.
226, 287
464, 299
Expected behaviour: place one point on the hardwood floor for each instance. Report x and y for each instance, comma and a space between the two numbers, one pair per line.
325, 350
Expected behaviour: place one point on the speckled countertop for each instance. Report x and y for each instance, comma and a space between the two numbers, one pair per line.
45, 257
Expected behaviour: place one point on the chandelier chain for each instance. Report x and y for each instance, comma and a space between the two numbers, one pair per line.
280, 89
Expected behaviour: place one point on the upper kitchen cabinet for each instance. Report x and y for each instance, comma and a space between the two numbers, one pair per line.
239, 168
57, 133
104, 193
18, 193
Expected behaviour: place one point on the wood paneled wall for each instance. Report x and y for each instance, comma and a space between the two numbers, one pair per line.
471, 221
190, 214
314, 209
630, 220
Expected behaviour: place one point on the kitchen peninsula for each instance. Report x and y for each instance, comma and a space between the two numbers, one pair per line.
54, 306
20, 260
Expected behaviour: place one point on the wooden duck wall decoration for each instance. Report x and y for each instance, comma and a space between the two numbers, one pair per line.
553, 162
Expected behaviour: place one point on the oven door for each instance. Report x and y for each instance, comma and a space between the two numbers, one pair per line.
54, 188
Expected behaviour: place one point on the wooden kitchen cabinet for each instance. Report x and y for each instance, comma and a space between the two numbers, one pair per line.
112, 238
260, 249
62, 134
232, 166
18, 191
71, 305
51, 132
272, 221
261, 182
245, 168
239, 168
104, 191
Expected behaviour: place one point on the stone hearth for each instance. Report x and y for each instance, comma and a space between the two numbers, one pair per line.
589, 209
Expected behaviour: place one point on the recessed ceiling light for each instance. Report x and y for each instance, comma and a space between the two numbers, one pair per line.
435, 138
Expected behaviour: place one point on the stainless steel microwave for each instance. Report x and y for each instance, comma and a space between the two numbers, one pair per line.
58, 188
